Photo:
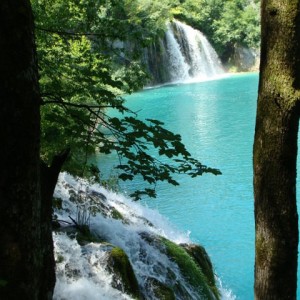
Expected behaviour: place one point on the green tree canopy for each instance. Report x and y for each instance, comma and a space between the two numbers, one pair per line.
238, 23
88, 57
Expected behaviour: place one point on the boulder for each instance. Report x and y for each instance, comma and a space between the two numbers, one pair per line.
194, 265
160, 290
201, 258
123, 275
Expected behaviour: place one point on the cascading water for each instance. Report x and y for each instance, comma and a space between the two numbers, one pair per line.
184, 54
203, 59
82, 270
177, 65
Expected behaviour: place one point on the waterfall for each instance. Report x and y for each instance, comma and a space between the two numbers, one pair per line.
82, 269
177, 65
183, 54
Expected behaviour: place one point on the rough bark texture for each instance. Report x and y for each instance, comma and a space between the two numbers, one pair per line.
275, 152
22, 253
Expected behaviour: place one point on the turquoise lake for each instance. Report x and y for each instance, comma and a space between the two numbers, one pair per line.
216, 120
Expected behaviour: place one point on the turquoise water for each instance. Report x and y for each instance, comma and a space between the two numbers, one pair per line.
216, 121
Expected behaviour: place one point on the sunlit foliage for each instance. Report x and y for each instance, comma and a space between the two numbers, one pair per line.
89, 55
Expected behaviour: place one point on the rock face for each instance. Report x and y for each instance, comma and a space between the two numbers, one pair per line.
244, 59
124, 278
122, 253
200, 256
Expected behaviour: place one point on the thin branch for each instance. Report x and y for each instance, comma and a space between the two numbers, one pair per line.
75, 223
80, 105
62, 221
69, 33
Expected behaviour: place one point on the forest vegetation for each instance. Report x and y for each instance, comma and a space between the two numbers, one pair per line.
89, 55
83, 70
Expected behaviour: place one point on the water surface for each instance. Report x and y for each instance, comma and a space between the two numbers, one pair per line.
216, 120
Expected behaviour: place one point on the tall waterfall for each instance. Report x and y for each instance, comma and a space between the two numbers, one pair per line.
183, 54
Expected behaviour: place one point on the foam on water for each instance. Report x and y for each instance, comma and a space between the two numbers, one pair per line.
89, 279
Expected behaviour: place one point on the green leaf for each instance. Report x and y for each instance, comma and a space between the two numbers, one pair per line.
3, 283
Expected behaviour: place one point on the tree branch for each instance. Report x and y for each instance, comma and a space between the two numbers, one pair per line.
69, 33
80, 105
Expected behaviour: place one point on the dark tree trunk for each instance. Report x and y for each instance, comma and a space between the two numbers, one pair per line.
275, 152
49, 176
22, 253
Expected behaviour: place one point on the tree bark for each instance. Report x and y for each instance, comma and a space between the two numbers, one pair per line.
21, 250
275, 152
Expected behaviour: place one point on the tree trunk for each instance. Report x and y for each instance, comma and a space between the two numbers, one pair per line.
21, 249
275, 152
49, 176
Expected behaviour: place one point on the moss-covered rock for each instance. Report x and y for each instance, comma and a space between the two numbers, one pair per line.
200, 256
82, 234
194, 264
85, 236
160, 291
123, 275
191, 270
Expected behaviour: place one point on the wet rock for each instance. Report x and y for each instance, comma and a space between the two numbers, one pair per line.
123, 275
160, 290
98, 194
199, 254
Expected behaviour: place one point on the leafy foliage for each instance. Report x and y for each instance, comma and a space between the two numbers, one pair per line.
87, 60
238, 23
